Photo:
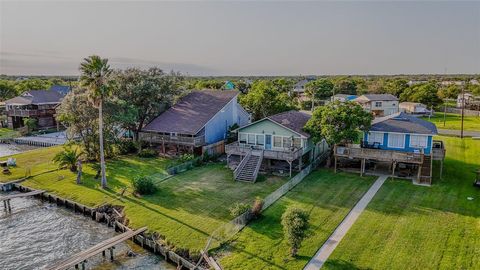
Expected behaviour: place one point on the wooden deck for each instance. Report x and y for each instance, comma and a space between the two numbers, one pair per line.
354, 151
242, 150
81, 257
20, 195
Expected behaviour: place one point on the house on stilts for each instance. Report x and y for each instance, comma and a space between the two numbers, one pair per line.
399, 144
198, 122
275, 143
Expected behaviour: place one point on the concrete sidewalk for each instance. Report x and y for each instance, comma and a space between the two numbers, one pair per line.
329, 246
453, 132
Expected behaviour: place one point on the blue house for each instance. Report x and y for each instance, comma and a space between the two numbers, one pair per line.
198, 121
229, 85
400, 141
401, 132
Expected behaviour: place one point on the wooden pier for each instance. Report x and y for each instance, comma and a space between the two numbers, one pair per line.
6, 199
80, 259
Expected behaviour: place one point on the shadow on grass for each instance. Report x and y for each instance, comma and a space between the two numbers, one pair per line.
342, 265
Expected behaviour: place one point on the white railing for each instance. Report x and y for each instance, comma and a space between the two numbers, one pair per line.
238, 169
242, 149
159, 138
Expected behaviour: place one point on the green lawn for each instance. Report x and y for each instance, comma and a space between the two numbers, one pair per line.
453, 121
35, 162
412, 227
328, 197
186, 209
8, 133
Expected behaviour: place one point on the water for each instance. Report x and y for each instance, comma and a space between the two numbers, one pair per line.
11, 149
38, 234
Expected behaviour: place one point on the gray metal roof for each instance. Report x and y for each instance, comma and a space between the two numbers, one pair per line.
404, 123
292, 120
378, 97
192, 112
36, 97
61, 89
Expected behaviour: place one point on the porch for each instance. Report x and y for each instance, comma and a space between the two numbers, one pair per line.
242, 149
177, 139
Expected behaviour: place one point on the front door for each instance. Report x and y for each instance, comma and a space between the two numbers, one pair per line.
268, 142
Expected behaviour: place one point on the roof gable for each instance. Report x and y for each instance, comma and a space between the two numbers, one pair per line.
377, 97
292, 121
192, 112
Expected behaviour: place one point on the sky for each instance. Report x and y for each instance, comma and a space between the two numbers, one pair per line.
242, 38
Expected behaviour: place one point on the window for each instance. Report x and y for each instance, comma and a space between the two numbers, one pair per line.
418, 141
375, 137
251, 138
287, 142
277, 141
396, 140
243, 138
260, 140
297, 142
378, 104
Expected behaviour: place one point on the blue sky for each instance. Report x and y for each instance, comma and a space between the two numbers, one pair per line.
243, 38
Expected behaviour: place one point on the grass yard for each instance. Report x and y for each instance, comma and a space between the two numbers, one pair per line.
8, 133
453, 121
35, 162
328, 197
412, 227
186, 208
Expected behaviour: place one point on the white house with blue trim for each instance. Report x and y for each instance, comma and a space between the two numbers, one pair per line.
400, 142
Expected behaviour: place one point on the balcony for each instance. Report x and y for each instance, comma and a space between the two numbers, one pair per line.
237, 148
355, 151
195, 141
31, 113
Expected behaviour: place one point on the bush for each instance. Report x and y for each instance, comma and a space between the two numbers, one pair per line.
126, 146
144, 185
186, 157
147, 153
257, 207
238, 209
295, 225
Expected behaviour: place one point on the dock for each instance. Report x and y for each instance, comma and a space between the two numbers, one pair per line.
80, 259
6, 199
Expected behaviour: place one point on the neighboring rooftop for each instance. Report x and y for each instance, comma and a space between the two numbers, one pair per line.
61, 89
378, 97
36, 97
192, 112
403, 123
292, 120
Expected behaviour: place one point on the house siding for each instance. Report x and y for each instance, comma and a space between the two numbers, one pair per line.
406, 147
216, 129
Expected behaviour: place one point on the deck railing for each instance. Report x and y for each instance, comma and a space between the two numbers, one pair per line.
355, 151
184, 140
237, 148
29, 113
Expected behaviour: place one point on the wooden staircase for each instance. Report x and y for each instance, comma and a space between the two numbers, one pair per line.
249, 167
425, 176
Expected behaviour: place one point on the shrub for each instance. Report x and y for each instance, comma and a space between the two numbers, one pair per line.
186, 157
126, 146
144, 185
147, 153
257, 207
68, 158
295, 225
238, 209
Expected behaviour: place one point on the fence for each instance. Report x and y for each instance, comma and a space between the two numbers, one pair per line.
459, 111
227, 231
184, 166
214, 149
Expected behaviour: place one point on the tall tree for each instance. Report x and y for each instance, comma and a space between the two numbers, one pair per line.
318, 89
338, 122
450, 91
424, 93
345, 86
144, 94
7, 90
95, 72
265, 99
396, 86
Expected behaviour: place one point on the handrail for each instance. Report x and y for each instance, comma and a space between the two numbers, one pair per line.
379, 154
257, 168
241, 165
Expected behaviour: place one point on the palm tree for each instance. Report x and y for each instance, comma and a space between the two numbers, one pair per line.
95, 73
67, 158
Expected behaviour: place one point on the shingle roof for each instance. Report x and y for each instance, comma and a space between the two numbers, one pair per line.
292, 120
36, 97
403, 123
378, 97
62, 89
192, 112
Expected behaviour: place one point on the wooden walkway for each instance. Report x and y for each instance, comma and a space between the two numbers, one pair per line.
81, 257
20, 195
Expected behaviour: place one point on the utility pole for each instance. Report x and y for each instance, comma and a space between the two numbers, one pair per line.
463, 110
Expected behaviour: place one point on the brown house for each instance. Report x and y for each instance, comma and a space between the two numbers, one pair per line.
37, 104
